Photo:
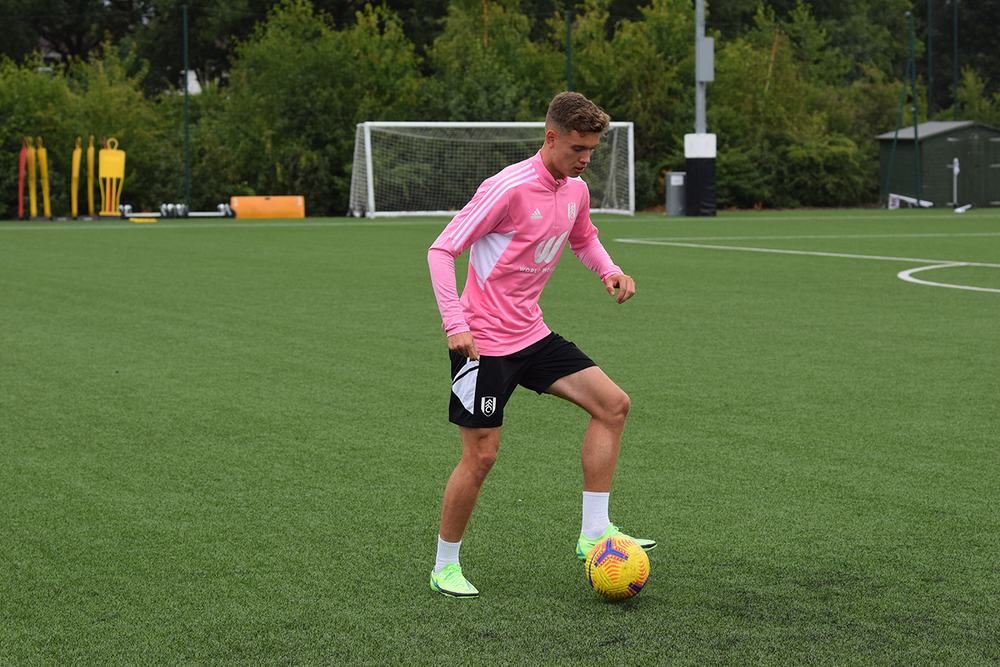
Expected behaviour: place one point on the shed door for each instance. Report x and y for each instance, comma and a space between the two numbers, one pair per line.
993, 171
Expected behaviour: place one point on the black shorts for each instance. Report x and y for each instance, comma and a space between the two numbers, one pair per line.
481, 389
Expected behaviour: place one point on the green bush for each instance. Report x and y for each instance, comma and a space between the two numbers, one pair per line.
792, 129
297, 90
31, 102
823, 172
96, 99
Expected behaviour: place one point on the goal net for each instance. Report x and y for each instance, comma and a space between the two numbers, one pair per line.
413, 168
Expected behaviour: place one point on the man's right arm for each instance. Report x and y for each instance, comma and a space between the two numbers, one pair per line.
487, 207
442, 266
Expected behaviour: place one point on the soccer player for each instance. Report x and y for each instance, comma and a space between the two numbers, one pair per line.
517, 225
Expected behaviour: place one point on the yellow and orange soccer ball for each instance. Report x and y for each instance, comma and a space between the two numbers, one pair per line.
617, 568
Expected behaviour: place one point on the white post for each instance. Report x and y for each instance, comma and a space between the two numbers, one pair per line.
631, 169
954, 182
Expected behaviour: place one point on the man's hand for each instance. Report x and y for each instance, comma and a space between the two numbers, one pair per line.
464, 344
625, 285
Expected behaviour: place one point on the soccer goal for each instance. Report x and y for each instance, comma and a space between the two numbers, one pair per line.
413, 168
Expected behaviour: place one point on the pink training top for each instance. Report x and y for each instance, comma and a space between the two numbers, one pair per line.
517, 225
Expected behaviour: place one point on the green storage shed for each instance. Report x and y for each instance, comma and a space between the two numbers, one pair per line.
974, 145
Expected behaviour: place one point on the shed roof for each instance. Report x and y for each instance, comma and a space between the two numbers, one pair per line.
932, 128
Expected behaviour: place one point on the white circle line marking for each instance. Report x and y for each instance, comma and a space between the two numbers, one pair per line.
908, 277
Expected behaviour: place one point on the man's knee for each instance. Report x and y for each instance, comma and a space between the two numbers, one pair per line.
618, 406
480, 451
482, 461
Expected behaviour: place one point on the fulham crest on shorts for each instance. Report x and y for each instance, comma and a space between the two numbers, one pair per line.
488, 405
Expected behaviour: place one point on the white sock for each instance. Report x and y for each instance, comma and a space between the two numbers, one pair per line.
595, 514
447, 553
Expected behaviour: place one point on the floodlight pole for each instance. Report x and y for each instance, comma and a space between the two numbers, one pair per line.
699, 148
700, 85
187, 129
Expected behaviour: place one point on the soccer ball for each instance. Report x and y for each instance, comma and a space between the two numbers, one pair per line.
617, 568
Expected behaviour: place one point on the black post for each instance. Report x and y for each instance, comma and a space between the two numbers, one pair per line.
916, 134
954, 58
930, 75
187, 129
569, 48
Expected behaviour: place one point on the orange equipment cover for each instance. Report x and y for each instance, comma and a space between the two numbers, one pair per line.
293, 206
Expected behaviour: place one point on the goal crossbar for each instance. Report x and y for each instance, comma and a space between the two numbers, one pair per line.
412, 168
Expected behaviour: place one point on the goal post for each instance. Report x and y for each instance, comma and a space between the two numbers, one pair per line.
427, 168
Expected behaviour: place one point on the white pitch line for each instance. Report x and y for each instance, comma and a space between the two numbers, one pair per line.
908, 277
155, 223
760, 217
820, 236
902, 275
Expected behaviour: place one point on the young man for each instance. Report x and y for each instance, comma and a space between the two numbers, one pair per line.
517, 225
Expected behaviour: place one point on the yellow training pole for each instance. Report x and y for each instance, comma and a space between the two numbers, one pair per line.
32, 186
112, 173
74, 188
22, 166
43, 171
90, 177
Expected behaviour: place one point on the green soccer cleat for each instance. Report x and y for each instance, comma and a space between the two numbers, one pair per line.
583, 545
449, 581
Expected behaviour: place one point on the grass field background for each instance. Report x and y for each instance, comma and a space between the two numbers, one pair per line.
225, 443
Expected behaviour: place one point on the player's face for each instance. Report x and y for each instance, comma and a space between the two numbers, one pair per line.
570, 151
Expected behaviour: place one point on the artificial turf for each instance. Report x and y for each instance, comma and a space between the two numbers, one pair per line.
225, 443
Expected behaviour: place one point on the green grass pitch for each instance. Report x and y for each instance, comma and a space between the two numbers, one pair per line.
225, 443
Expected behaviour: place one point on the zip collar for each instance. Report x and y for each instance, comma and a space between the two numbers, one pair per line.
544, 175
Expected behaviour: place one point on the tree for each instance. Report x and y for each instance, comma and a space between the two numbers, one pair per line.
485, 67
30, 104
975, 102
977, 25
76, 28
107, 100
297, 89
18, 39
784, 134
641, 71
99, 98
864, 31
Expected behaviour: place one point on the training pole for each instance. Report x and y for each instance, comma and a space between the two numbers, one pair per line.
74, 181
32, 186
90, 177
43, 172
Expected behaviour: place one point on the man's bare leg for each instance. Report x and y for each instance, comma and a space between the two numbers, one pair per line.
479, 453
608, 407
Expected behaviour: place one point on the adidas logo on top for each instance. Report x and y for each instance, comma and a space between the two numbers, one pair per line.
537, 215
